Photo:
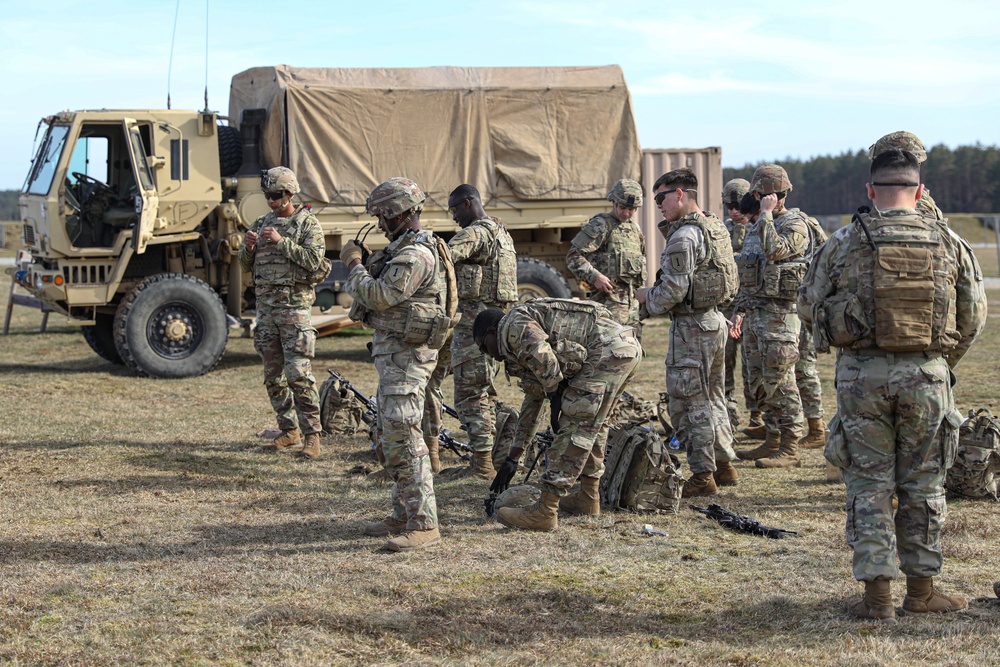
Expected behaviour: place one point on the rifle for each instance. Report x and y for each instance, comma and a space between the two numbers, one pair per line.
742, 524
370, 415
542, 441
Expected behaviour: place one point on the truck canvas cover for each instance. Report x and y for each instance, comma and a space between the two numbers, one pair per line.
531, 133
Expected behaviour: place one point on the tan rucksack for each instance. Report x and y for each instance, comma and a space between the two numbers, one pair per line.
976, 471
640, 474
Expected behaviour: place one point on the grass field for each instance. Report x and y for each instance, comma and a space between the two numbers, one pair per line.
141, 525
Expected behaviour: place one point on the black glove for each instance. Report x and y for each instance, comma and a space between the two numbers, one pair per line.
504, 475
366, 252
555, 407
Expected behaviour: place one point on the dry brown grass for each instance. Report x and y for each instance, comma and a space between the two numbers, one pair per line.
142, 526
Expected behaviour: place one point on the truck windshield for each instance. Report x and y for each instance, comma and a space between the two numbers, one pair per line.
43, 167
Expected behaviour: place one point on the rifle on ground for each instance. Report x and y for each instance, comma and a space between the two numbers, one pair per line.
742, 524
542, 441
370, 416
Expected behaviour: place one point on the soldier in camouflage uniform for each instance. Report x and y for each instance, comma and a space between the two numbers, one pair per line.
402, 292
573, 353
280, 250
698, 275
736, 223
486, 273
750, 210
771, 267
907, 141
609, 254
896, 428
433, 401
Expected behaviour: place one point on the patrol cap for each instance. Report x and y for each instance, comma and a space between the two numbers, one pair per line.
279, 179
393, 197
626, 192
770, 178
902, 140
733, 191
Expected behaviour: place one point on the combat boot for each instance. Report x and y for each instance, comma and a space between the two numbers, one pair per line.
769, 448
385, 527
311, 448
921, 598
787, 455
434, 454
701, 484
541, 515
585, 501
876, 603
725, 474
414, 539
816, 437
287, 439
480, 466
755, 429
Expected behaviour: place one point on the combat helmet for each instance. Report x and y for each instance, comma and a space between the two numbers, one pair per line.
626, 192
278, 179
902, 140
394, 197
769, 179
733, 191
521, 495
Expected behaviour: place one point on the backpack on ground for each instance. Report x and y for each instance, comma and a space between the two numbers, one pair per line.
640, 473
976, 471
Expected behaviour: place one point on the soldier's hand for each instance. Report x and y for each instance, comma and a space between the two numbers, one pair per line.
250, 240
640, 295
603, 284
768, 203
504, 476
352, 251
270, 234
736, 330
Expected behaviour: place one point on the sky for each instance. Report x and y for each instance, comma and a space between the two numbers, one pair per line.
763, 80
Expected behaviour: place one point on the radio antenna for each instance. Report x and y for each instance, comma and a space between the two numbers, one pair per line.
206, 55
173, 39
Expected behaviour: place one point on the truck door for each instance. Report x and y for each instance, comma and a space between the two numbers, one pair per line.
146, 198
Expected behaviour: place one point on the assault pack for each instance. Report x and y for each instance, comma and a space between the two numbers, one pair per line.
640, 474
976, 471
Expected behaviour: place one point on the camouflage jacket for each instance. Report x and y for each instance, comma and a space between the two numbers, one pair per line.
608, 246
736, 233
485, 264
277, 268
769, 243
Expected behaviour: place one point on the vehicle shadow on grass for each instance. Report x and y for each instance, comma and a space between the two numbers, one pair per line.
89, 365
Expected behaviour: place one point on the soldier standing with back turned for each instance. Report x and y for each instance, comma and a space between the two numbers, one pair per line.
732, 192
281, 250
901, 296
609, 254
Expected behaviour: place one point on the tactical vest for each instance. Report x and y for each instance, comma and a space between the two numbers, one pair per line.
620, 258
896, 291
493, 279
817, 235
424, 317
271, 267
761, 278
715, 280
640, 473
569, 323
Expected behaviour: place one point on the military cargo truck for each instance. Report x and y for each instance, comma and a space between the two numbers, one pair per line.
133, 217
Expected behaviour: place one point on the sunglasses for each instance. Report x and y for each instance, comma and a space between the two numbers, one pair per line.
660, 196
452, 209
274, 196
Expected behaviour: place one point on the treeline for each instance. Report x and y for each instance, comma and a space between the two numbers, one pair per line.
961, 180
8, 205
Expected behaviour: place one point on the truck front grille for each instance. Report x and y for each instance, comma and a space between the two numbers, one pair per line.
29, 235
87, 274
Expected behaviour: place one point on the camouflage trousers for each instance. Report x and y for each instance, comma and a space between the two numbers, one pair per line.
474, 388
402, 379
897, 434
623, 305
696, 389
732, 354
434, 396
807, 378
286, 341
578, 449
770, 350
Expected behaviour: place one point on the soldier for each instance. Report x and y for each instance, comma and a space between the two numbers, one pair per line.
771, 267
698, 275
581, 359
750, 210
736, 223
433, 400
405, 293
609, 254
902, 296
281, 250
908, 141
486, 273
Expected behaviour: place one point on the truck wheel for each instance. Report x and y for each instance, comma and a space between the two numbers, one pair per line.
101, 338
230, 150
171, 325
536, 279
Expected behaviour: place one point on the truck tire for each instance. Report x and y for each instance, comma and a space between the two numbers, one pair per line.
101, 338
536, 279
171, 325
230, 150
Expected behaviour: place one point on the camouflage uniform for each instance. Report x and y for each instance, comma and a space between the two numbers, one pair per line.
806, 375
284, 337
431, 424
407, 274
896, 427
696, 356
549, 342
616, 249
771, 325
736, 235
486, 273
